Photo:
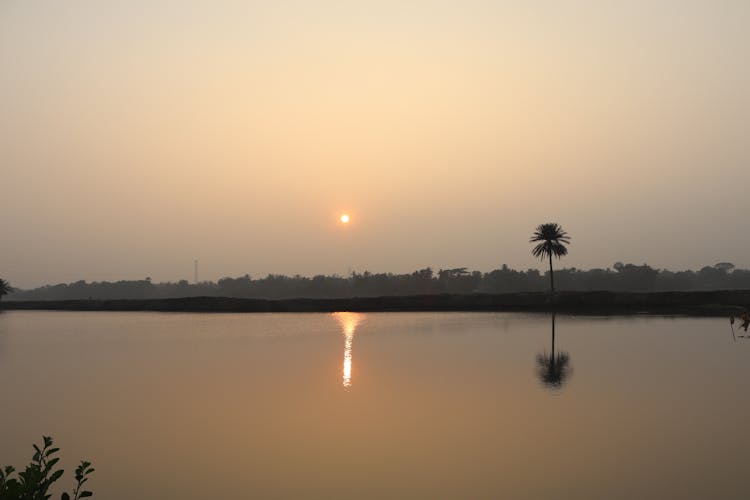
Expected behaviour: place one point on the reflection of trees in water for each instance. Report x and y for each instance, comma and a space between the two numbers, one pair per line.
553, 369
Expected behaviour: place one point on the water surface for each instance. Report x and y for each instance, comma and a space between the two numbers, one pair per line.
396, 405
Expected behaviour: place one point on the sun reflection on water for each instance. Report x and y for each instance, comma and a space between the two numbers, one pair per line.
348, 322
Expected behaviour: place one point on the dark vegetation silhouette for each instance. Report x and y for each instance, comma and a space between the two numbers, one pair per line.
744, 319
554, 368
551, 241
620, 278
34, 482
5, 289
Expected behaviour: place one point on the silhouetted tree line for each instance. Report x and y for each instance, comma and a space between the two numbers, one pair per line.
621, 277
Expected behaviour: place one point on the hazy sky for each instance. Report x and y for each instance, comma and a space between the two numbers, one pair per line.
137, 136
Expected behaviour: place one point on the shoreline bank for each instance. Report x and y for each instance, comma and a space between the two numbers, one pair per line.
700, 303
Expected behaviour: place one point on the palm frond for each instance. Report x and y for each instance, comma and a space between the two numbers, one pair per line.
558, 249
541, 250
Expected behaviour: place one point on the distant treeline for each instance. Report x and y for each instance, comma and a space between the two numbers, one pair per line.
622, 277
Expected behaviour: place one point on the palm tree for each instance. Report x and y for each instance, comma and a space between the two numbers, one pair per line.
5, 288
553, 369
552, 240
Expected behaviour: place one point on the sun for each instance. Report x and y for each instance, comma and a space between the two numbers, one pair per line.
344, 218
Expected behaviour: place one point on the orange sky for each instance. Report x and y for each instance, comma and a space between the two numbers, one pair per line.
138, 136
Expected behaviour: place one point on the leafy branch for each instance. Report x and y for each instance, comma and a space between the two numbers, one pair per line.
34, 482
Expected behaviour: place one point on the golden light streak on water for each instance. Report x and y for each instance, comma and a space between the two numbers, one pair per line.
348, 322
348, 361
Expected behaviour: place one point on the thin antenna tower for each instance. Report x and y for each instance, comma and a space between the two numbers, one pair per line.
196, 271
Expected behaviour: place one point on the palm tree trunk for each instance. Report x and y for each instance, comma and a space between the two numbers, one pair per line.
551, 275
553, 336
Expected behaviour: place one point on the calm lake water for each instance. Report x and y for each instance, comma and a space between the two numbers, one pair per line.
386, 405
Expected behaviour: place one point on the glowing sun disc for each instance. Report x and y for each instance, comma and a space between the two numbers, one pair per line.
344, 218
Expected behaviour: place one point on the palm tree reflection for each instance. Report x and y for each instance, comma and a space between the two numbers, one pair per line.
553, 369
348, 322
